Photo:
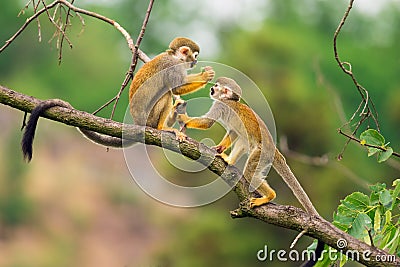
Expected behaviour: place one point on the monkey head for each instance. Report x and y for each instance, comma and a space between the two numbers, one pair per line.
185, 50
226, 88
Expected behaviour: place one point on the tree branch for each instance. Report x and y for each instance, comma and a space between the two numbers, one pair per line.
366, 108
283, 216
351, 137
135, 55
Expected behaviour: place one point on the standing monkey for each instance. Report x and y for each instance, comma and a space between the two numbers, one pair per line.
150, 95
251, 135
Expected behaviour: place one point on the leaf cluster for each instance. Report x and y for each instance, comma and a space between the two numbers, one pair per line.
373, 219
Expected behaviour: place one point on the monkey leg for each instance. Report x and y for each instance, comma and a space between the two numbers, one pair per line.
179, 108
239, 148
268, 194
254, 174
226, 142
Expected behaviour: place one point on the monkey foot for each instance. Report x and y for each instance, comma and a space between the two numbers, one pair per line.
256, 202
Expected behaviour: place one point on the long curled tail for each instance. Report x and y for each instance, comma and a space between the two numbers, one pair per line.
30, 129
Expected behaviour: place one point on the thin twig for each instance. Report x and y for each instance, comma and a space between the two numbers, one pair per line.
35, 7
297, 238
27, 22
67, 22
104, 105
60, 30
352, 137
366, 109
132, 67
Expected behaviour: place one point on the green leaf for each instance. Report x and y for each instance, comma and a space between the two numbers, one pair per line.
346, 211
372, 151
372, 137
385, 199
374, 198
395, 192
396, 182
343, 261
385, 155
377, 221
356, 201
394, 243
388, 217
377, 187
360, 226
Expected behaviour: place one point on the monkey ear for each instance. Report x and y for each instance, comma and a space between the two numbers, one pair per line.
184, 50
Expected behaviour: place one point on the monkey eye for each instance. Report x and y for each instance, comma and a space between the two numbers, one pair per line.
195, 54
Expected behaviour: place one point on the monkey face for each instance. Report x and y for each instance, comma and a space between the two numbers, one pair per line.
220, 92
185, 54
217, 91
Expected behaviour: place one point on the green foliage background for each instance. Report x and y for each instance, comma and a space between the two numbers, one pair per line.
75, 203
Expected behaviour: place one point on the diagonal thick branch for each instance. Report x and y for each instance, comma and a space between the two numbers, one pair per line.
280, 215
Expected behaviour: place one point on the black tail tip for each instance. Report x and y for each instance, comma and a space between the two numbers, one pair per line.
27, 152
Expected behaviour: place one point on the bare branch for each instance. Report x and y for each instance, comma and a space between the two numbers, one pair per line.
128, 38
351, 137
284, 216
366, 109
59, 30
27, 22
67, 22
132, 67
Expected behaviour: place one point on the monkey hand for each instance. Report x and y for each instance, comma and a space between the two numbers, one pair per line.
208, 73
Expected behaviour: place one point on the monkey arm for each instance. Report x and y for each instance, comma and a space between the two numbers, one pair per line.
195, 82
199, 123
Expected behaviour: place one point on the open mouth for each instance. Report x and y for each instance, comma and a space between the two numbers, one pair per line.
212, 91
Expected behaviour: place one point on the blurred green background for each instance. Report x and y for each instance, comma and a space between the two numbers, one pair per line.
75, 203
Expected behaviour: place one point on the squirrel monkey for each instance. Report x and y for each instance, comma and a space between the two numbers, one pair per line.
150, 95
250, 134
